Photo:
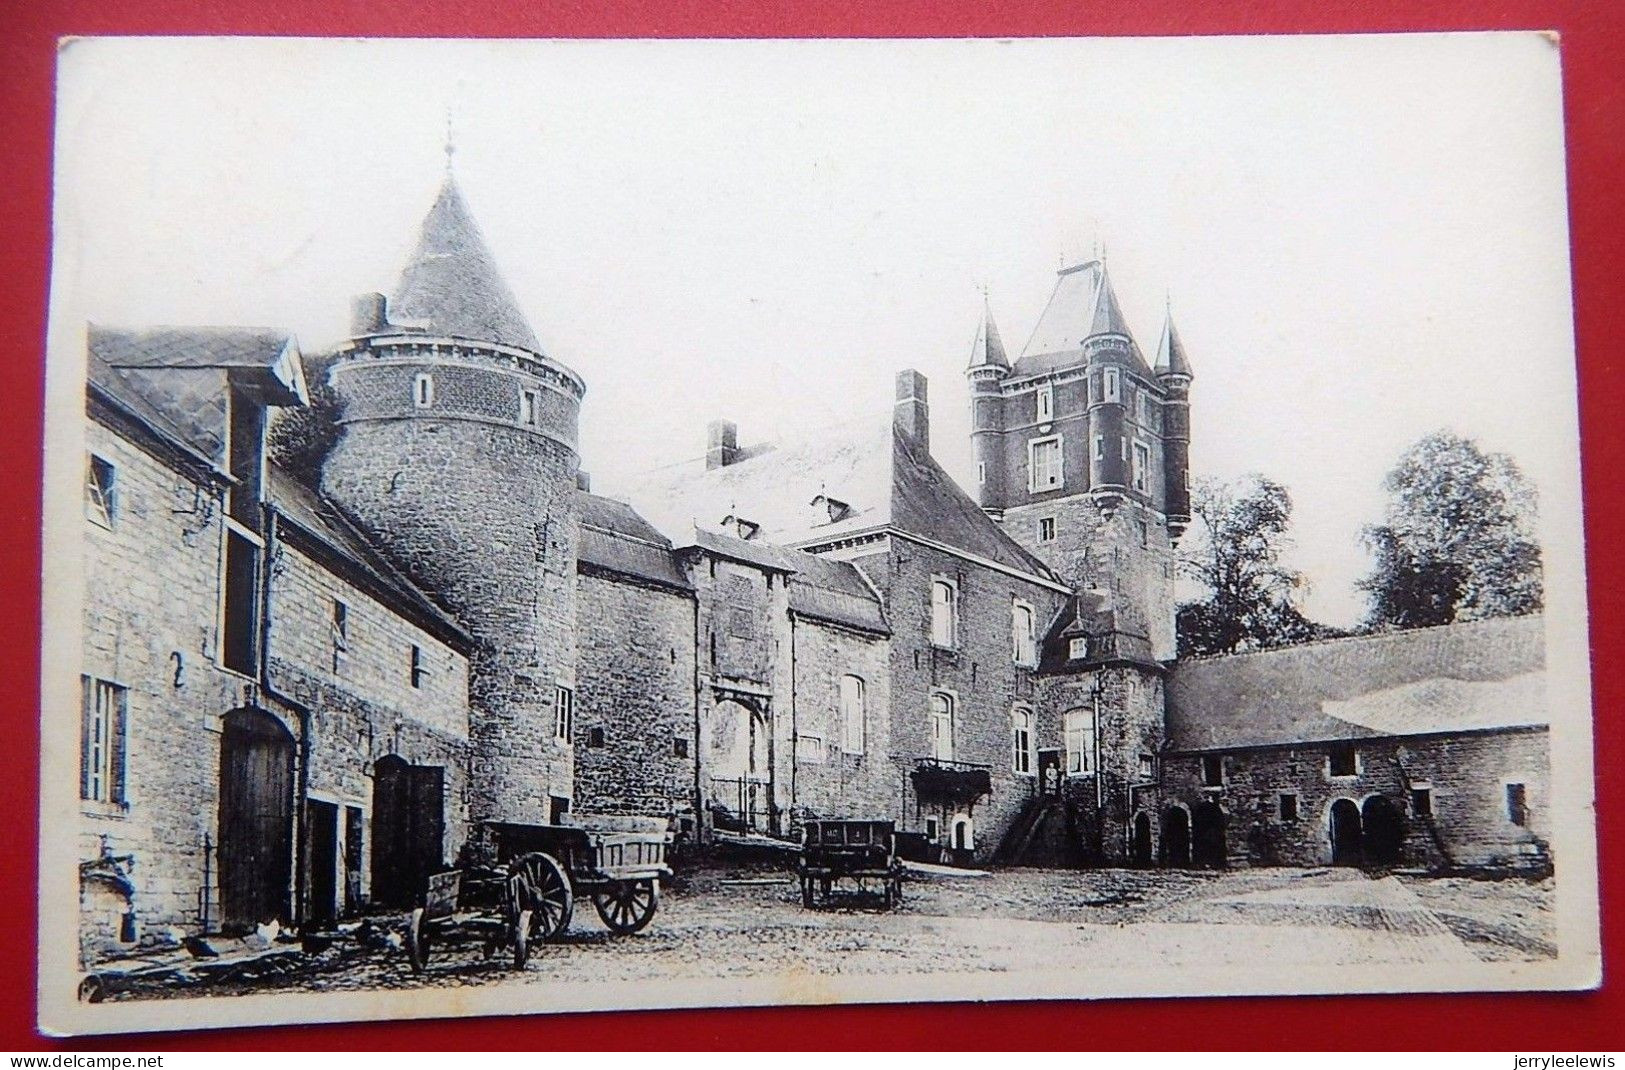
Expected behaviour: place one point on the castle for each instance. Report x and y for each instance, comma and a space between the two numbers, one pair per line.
298, 701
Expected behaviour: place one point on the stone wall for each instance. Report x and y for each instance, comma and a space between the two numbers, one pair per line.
834, 776
1465, 774
635, 727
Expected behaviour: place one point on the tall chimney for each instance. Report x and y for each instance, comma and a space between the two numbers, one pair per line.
369, 314
721, 444
912, 415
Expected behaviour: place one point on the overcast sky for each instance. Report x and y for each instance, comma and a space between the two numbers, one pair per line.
1364, 239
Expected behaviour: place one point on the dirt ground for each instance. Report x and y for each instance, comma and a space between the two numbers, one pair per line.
746, 919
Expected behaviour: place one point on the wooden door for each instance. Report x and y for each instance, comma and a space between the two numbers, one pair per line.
256, 819
322, 827
408, 821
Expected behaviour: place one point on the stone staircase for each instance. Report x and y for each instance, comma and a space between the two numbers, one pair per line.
1042, 837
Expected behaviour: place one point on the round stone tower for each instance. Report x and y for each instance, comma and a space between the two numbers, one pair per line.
1174, 373
1109, 349
458, 457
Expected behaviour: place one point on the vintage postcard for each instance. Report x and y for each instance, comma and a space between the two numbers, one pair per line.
556, 525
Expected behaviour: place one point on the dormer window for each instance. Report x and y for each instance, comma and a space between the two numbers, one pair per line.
1046, 404
423, 390
744, 529
827, 510
1078, 648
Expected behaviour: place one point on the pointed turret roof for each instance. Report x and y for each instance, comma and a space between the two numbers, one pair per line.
1171, 358
451, 285
988, 347
1108, 314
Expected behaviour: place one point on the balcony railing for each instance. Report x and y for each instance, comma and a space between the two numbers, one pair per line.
941, 778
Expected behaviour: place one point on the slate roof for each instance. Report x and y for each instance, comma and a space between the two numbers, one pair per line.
1082, 305
1171, 358
614, 538
1459, 677
885, 477
819, 587
988, 347
174, 379
451, 285
322, 521
1090, 614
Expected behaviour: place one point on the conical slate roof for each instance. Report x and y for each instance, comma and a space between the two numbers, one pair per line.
1171, 358
988, 347
1108, 314
451, 285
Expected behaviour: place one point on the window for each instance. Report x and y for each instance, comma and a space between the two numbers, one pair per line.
1023, 645
944, 614
1114, 386
1212, 770
679, 747
852, 714
1517, 804
564, 713
1021, 741
1078, 649
809, 748
527, 407
1044, 464
1287, 806
1046, 404
239, 638
931, 828
419, 672
340, 629
1422, 801
942, 727
1080, 742
981, 473
103, 717
1046, 529
423, 390
595, 737
1142, 467
1100, 447
1343, 761
1145, 533
1144, 401
101, 491
1148, 767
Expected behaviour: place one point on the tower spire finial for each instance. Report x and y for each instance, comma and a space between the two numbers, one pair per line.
451, 144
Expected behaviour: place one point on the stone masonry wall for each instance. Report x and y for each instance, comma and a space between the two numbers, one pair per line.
635, 730
152, 584
830, 779
1466, 774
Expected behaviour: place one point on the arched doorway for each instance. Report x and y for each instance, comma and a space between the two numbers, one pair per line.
1140, 847
408, 825
1208, 849
1345, 827
256, 819
740, 767
1384, 831
1176, 837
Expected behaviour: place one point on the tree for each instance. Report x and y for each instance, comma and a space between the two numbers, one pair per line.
1237, 561
1458, 542
300, 438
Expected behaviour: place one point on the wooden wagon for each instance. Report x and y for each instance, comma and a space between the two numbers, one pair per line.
525, 893
864, 852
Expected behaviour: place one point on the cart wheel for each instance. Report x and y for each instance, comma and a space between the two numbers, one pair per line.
537, 884
807, 892
417, 942
628, 905
521, 940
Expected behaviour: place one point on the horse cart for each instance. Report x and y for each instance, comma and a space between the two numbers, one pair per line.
864, 852
519, 884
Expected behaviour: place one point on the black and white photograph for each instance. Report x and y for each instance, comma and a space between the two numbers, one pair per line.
539, 526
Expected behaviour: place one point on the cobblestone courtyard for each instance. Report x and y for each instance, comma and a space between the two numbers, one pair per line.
740, 921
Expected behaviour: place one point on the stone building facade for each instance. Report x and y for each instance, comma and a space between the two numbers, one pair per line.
299, 701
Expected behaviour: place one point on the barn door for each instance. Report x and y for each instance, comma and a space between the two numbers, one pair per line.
427, 799
256, 819
408, 820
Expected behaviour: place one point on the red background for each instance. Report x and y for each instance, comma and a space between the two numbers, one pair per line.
1593, 46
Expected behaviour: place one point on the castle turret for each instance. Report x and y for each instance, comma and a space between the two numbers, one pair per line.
458, 457
1111, 353
987, 371
1174, 373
